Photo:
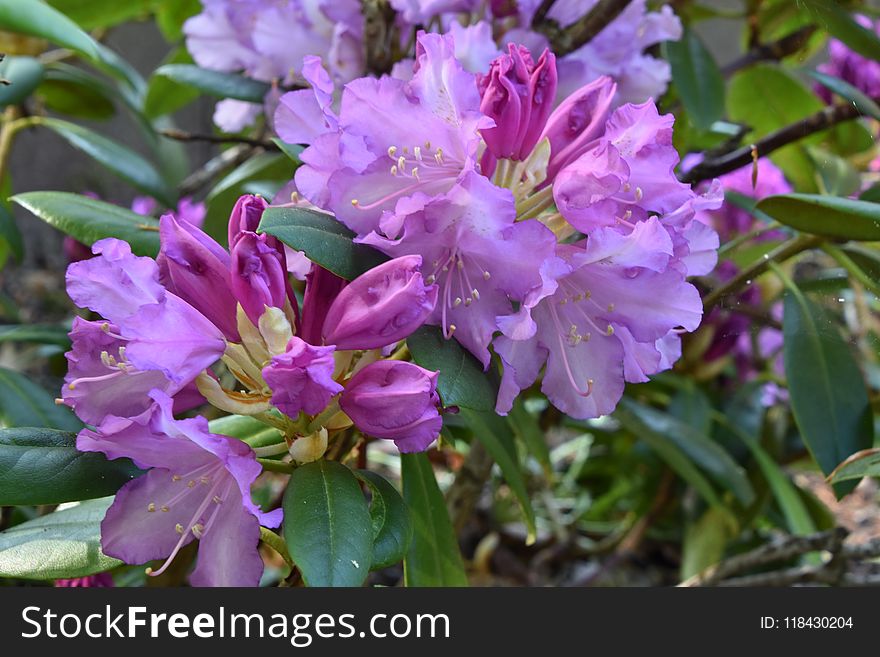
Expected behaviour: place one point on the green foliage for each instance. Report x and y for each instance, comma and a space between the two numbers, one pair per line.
697, 79
828, 216
392, 527
25, 404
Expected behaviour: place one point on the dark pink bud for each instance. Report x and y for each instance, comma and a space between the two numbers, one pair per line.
396, 400
577, 122
322, 288
259, 275
245, 216
195, 268
380, 307
518, 95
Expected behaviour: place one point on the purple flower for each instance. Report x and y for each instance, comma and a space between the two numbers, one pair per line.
198, 487
480, 258
101, 580
861, 72
302, 378
245, 216
150, 338
259, 275
417, 12
195, 268
613, 308
322, 288
395, 400
381, 306
518, 95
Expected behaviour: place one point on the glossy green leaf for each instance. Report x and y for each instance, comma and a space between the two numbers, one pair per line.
292, 151
697, 79
828, 216
327, 525
93, 14
38, 19
828, 393
119, 159
89, 220
848, 92
25, 404
705, 452
322, 238
164, 94
250, 168
216, 83
246, 428
392, 527
24, 74
766, 98
861, 464
54, 334
839, 23
434, 558
70, 90
43, 466
462, 381
60, 545
9, 233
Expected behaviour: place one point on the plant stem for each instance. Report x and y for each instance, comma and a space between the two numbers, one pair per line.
277, 543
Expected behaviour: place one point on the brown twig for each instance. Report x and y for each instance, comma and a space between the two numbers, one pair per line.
541, 12
181, 135
821, 120
568, 39
771, 52
781, 253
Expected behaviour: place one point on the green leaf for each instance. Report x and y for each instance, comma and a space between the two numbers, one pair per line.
94, 14
43, 466
290, 150
172, 14
53, 334
766, 98
24, 74
215, 83
848, 92
248, 429
89, 220
462, 380
70, 90
828, 216
392, 527
705, 452
705, 541
9, 233
527, 429
697, 79
38, 19
829, 398
837, 22
861, 464
322, 238
60, 545
25, 404
250, 168
117, 158
496, 436
433, 558
327, 525
165, 95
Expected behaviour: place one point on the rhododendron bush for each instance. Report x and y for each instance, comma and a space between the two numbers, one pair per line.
464, 292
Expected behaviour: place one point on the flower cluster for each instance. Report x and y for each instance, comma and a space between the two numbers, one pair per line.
200, 323
557, 237
861, 72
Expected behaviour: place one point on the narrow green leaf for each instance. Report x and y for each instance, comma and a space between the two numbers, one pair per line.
705, 452
250, 168
93, 14
70, 90
25, 404
327, 525
215, 83
38, 19
527, 429
60, 545
89, 220
53, 334
705, 541
322, 238
462, 380
828, 216
392, 527
861, 464
290, 150
497, 437
848, 92
697, 79
248, 429
24, 74
838, 22
43, 466
117, 158
9, 233
828, 393
433, 558
164, 94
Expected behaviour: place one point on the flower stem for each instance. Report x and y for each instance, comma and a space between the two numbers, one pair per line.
277, 543
276, 466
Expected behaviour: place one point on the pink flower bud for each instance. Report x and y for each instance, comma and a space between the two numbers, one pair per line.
195, 268
245, 216
518, 95
396, 400
380, 307
259, 275
302, 378
322, 288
